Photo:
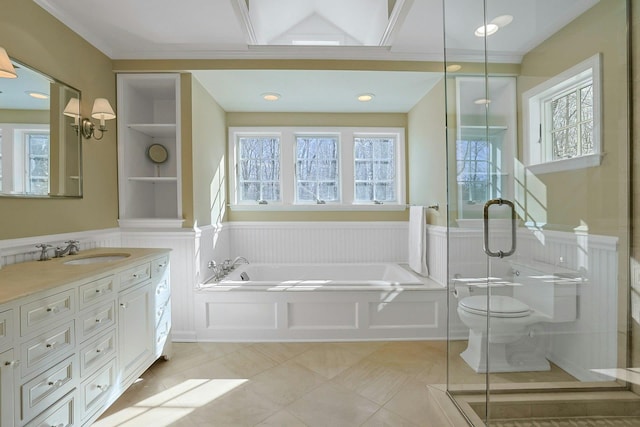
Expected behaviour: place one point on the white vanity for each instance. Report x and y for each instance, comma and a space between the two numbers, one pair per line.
76, 331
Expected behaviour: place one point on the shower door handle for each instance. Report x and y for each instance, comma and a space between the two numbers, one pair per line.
487, 250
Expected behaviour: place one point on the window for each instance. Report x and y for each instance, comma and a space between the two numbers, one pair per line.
562, 120
375, 169
300, 168
258, 169
37, 162
317, 169
478, 165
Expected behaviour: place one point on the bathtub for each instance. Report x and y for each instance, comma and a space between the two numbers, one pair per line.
320, 302
318, 275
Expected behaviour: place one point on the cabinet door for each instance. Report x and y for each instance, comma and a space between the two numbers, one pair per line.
136, 330
7, 370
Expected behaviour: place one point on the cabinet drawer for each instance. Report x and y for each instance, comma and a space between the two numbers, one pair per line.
61, 414
162, 292
159, 266
96, 390
45, 311
96, 352
6, 329
164, 310
95, 320
163, 331
134, 275
43, 390
47, 348
99, 290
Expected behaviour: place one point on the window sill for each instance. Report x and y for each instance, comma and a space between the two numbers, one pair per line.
581, 162
321, 208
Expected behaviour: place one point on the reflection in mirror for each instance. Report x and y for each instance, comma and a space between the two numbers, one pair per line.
40, 149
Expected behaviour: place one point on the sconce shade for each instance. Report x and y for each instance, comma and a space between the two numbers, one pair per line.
102, 110
73, 108
6, 67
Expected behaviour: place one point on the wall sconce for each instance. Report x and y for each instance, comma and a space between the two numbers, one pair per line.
73, 110
101, 110
6, 67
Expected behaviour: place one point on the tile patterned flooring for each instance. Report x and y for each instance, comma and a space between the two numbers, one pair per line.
294, 384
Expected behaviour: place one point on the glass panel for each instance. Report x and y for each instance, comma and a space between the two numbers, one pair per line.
317, 168
259, 168
552, 317
375, 164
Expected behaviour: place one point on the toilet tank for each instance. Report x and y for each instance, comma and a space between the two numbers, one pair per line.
549, 289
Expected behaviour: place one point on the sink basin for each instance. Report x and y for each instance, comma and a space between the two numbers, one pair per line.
94, 259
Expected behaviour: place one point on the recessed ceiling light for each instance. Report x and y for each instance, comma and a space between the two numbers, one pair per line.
453, 68
502, 20
482, 101
270, 96
37, 95
365, 97
486, 30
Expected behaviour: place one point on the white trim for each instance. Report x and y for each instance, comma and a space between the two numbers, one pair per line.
532, 101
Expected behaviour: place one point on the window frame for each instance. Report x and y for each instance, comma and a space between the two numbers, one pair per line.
235, 170
346, 167
536, 146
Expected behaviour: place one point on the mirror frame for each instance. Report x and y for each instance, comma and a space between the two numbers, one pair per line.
59, 130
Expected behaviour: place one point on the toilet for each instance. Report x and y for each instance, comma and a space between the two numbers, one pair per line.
539, 298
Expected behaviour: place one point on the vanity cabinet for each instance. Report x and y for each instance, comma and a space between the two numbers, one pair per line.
149, 150
69, 351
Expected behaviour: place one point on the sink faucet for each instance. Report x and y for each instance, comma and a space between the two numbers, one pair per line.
44, 255
229, 265
71, 249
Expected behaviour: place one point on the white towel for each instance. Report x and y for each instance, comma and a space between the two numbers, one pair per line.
418, 240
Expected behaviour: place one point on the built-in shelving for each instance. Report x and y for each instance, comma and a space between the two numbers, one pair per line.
149, 113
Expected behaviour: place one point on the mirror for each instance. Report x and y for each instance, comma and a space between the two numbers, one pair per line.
40, 147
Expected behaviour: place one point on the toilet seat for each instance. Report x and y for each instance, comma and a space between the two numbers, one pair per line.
501, 306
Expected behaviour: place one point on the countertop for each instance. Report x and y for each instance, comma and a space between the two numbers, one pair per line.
27, 278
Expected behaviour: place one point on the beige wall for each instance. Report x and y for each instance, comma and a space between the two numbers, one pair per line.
209, 157
594, 196
24, 116
317, 119
427, 153
32, 36
634, 319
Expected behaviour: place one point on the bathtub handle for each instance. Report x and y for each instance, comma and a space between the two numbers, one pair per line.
487, 250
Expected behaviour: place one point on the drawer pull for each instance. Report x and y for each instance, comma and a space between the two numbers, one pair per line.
102, 387
135, 276
55, 384
52, 309
99, 291
99, 320
123, 305
60, 425
14, 363
50, 345
98, 350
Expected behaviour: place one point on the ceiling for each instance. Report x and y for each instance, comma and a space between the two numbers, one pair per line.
312, 29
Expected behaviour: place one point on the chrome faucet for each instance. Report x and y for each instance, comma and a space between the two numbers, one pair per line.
44, 255
229, 265
72, 249
218, 271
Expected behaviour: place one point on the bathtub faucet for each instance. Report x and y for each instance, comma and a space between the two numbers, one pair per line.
229, 265
218, 271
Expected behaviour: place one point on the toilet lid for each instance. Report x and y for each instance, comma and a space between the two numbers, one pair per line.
501, 306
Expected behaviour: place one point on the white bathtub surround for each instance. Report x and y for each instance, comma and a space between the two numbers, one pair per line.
418, 240
313, 276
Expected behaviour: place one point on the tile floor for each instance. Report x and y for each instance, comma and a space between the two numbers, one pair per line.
293, 384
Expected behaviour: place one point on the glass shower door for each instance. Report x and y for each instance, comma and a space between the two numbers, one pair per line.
538, 204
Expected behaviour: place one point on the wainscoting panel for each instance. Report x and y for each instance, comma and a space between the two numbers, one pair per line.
319, 242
